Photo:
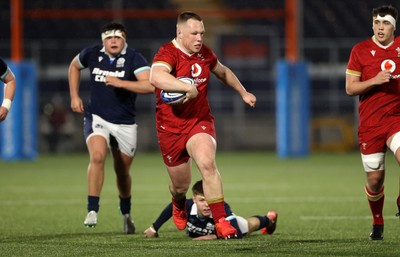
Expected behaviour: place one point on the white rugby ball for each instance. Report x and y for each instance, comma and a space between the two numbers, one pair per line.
174, 97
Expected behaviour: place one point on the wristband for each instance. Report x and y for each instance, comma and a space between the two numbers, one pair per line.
6, 103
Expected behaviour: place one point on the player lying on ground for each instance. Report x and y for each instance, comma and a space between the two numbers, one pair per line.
200, 224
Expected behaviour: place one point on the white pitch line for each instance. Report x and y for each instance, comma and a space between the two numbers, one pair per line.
342, 217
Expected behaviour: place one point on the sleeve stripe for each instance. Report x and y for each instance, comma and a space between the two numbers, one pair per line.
5, 74
137, 71
353, 72
79, 62
163, 64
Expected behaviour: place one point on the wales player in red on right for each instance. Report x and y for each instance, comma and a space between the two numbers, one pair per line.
372, 74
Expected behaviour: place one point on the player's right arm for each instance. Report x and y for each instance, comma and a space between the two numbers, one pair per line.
354, 85
161, 78
74, 76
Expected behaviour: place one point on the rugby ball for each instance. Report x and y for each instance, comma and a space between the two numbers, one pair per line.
174, 97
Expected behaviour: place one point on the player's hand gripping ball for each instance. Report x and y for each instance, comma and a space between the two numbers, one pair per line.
173, 98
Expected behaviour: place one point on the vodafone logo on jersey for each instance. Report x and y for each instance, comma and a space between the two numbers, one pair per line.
196, 70
388, 65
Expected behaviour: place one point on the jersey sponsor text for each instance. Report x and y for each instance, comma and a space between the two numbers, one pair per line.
100, 74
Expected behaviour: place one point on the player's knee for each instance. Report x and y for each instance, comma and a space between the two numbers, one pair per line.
97, 157
207, 166
179, 188
373, 162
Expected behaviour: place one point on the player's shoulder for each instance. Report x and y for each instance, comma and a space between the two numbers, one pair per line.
397, 40
169, 48
166, 53
169, 45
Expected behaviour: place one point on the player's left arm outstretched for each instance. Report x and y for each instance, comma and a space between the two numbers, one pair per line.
227, 76
165, 215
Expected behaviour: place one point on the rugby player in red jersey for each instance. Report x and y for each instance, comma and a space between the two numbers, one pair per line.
186, 132
373, 75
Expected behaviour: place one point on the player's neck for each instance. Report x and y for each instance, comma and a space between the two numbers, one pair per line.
178, 43
384, 44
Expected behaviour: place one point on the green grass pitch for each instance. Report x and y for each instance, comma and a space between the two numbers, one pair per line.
320, 200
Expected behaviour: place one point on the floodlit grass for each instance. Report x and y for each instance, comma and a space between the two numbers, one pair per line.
322, 208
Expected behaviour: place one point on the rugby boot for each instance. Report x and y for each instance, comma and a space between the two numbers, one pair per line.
273, 219
128, 224
377, 232
91, 219
225, 230
179, 217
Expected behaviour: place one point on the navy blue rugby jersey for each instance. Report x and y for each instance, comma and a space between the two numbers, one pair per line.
115, 105
196, 225
3, 69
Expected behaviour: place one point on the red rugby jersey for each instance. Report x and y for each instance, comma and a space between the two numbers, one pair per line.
367, 59
181, 118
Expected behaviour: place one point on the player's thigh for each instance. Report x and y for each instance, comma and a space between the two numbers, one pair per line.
201, 145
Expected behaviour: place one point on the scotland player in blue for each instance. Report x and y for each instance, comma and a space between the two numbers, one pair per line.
8, 78
201, 225
117, 75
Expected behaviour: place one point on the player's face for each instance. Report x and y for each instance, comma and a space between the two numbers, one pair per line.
114, 45
191, 35
383, 31
202, 206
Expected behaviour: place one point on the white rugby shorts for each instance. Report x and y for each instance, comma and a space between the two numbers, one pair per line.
124, 134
